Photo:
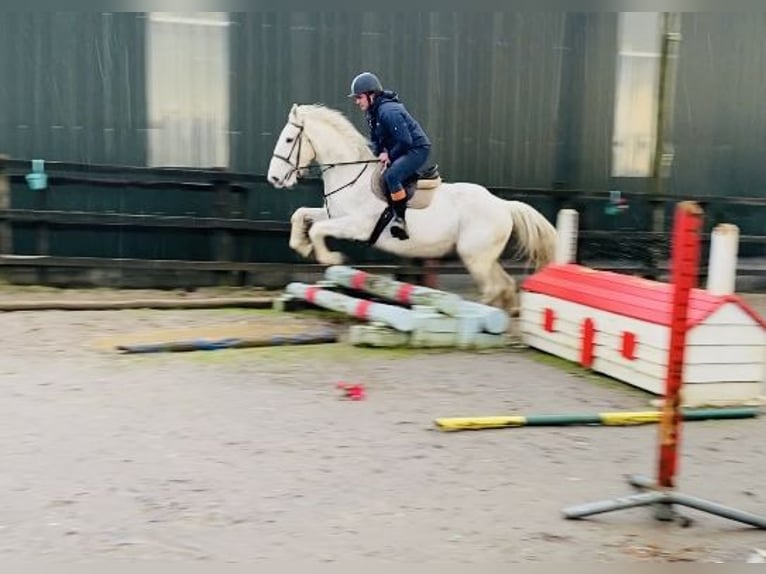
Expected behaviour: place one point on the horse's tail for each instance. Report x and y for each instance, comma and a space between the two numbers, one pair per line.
535, 236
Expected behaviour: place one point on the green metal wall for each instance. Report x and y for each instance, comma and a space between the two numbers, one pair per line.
501, 94
720, 116
72, 86
586, 105
510, 99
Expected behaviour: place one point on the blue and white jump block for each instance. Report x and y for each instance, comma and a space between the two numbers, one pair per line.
423, 318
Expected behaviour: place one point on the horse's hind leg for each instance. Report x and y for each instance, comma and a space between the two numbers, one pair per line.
497, 287
480, 256
484, 274
508, 298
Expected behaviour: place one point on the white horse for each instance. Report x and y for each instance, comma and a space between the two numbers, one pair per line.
462, 217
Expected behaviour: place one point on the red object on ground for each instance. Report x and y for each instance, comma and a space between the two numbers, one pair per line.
355, 392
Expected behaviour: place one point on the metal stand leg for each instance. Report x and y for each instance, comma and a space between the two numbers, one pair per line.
622, 503
662, 501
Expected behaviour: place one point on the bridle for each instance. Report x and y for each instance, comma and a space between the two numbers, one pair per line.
296, 168
297, 142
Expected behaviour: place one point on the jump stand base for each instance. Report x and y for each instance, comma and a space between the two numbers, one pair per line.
663, 502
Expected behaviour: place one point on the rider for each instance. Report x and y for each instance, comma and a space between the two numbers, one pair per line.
398, 141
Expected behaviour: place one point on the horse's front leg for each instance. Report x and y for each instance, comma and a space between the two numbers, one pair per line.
301, 220
351, 227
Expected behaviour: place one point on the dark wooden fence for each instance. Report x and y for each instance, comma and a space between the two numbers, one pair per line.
222, 238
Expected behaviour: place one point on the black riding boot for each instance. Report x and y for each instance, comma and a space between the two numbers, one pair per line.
399, 226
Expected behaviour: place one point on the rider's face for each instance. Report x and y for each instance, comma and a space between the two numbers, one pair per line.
363, 101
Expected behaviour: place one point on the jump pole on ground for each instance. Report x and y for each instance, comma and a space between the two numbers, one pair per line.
617, 418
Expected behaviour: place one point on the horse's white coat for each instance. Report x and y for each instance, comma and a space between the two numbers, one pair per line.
463, 217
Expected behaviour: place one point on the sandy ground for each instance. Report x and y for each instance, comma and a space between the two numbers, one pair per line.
248, 455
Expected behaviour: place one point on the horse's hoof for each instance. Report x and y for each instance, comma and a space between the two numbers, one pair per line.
332, 258
304, 250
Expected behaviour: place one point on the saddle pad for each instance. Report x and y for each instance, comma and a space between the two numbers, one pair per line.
424, 192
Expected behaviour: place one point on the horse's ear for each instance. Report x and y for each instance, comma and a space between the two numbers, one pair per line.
294, 111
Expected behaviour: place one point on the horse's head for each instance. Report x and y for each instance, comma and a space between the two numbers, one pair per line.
293, 152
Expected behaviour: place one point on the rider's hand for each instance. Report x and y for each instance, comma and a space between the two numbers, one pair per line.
383, 158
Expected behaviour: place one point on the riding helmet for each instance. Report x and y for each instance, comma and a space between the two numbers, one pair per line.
365, 82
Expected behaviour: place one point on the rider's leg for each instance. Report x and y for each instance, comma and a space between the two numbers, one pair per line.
399, 205
401, 169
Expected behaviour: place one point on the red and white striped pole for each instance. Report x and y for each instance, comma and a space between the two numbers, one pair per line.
399, 318
493, 319
684, 271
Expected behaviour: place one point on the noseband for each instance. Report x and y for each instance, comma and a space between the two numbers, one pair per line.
297, 143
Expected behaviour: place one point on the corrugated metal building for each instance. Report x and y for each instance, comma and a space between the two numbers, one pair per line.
73, 86
510, 99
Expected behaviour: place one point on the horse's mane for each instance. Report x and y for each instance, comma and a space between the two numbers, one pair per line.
339, 123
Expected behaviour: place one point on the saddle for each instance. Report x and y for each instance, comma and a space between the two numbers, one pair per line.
420, 189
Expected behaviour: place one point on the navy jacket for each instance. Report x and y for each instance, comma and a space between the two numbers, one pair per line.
392, 128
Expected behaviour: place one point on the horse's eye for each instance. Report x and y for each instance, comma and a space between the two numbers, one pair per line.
289, 140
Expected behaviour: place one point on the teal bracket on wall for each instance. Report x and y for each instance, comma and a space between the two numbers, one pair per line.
37, 179
617, 204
